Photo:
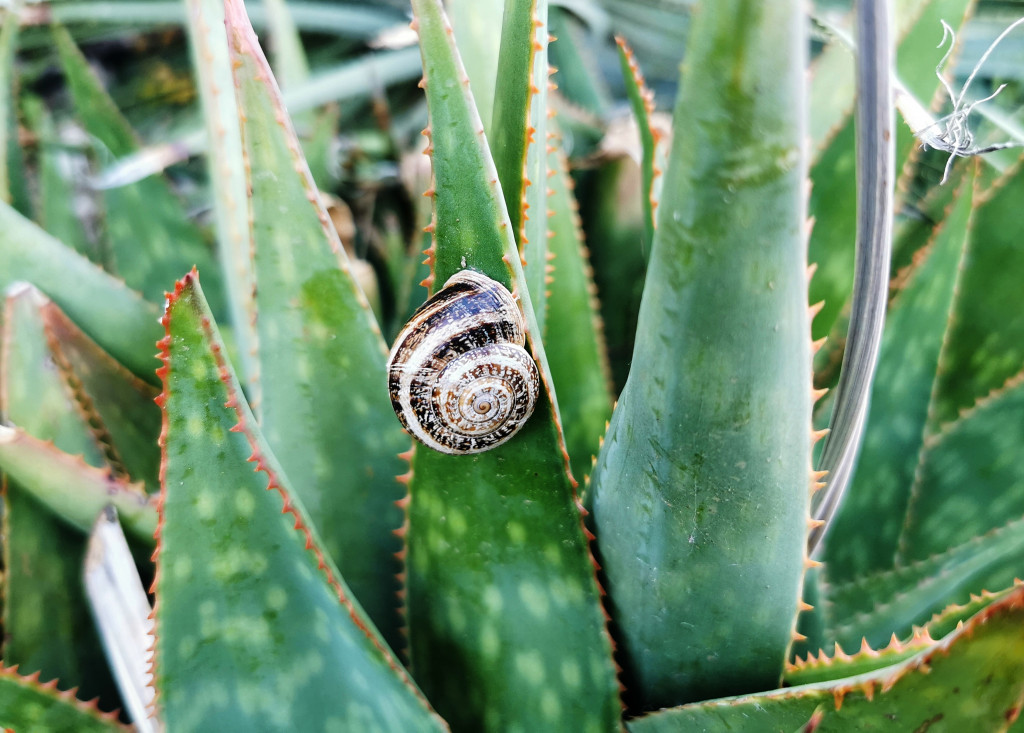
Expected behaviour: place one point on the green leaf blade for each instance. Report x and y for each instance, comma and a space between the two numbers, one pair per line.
574, 338
700, 493
115, 316
245, 595
971, 680
151, 240
42, 554
503, 601
321, 354
26, 705
641, 101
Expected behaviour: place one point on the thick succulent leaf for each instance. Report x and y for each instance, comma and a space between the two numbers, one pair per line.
574, 337
477, 25
43, 565
55, 188
221, 114
42, 555
60, 372
824, 668
72, 489
509, 133
119, 405
318, 128
503, 602
321, 355
29, 707
613, 219
13, 188
151, 239
120, 321
833, 194
290, 64
700, 492
534, 226
580, 81
343, 19
254, 625
969, 479
878, 605
949, 619
971, 680
35, 389
985, 345
641, 100
917, 324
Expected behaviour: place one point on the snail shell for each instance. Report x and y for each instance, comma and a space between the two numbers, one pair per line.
460, 378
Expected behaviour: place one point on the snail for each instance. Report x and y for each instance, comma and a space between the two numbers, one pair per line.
460, 378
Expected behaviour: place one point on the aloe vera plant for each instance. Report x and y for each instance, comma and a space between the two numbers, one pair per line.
646, 556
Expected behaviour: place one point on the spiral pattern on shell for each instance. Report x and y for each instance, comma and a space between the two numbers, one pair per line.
460, 378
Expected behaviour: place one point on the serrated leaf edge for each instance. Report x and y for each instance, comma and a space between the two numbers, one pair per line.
234, 402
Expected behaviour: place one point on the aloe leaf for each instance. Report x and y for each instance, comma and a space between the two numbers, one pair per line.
534, 226
876, 605
985, 344
613, 220
641, 100
317, 127
514, 97
971, 680
350, 20
43, 564
13, 187
55, 189
290, 64
321, 355
245, 593
574, 337
151, 239
34, 387
221, 114
503, 602
580, 81
949, 619
478, 26
120, 321
42, 555
70, 488
119, 405
833, 194
27, 705
900, 398
824, 668
701, 489
969, 479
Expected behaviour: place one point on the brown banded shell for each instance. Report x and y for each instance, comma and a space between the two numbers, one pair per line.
460, 378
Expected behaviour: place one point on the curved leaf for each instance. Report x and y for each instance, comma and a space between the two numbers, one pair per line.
900, 399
